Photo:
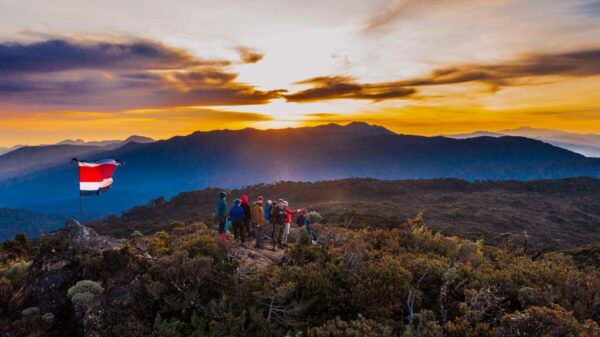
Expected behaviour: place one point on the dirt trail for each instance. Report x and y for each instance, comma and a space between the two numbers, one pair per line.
274, 256
255, 258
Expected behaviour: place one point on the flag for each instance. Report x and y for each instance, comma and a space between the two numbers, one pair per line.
96, 177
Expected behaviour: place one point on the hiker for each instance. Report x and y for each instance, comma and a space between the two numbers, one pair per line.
247, 214
277, 217
268, 224
288, 222
258, 218
301, 220
311, 231
237, 216
222, 213
268, 210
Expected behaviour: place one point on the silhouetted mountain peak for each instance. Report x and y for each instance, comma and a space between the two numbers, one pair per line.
357, 128
354, 128
138, 139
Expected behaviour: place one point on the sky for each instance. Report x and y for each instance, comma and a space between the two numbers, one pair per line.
108, 69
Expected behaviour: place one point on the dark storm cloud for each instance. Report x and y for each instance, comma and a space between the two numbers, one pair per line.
343, 87
107, 75
581, 63
61, 54
249, 55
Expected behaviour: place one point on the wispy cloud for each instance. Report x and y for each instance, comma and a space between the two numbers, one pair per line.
343, 87
393, 10
249, 55
578, 63
397, 9
588, 7
520, 71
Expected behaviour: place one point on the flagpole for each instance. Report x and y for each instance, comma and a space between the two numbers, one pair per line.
80, 198
80, 208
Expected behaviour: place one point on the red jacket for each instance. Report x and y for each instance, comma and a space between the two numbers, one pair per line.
288, 218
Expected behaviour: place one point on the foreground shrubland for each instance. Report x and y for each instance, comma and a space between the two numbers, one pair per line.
405, 281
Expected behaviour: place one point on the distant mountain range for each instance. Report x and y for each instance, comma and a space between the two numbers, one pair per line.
32, 224
107, 143
236, 158
585, 144
29, 159
4, 150
103, 143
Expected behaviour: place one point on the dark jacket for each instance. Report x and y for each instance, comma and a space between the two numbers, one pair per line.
301, 220
246, 207
236, 213
247, 211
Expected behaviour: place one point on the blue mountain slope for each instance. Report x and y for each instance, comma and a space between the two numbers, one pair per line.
238, 158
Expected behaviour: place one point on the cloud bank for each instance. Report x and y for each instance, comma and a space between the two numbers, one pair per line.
111, 75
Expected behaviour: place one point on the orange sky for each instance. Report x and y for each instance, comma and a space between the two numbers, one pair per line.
417, 67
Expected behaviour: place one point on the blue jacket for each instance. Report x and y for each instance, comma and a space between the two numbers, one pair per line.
267, 212
222, 207
236, 213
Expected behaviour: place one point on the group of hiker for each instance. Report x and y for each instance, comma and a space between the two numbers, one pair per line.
250, 221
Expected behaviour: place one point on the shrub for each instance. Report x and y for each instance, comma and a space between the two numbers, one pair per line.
84, 292
30, 311
360, 327
314, 217
136, 235
48, 317
380, 288
553, 321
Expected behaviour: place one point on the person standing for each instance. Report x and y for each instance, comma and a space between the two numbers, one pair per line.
301, 219
247, 214
258, 216
277, 217
304, 221
288, 222
268, 210
222, 213
236, 215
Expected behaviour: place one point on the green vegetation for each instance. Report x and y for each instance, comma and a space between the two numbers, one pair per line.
403, 281
554, 214
84, 292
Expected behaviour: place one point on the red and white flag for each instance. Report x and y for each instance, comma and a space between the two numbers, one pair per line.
96, 177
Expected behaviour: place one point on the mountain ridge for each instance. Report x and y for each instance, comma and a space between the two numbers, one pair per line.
587, 144
233, 158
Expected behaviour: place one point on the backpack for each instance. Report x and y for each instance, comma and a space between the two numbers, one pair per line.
280, 215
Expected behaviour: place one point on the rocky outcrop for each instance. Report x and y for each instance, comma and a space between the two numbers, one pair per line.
75, 253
